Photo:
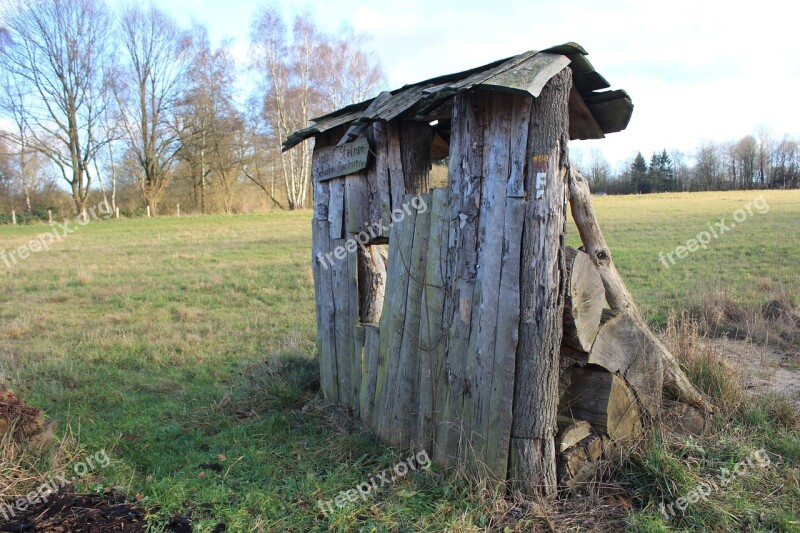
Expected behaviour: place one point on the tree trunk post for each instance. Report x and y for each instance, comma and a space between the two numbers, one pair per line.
50, 216
148, 211
533, 453
13, 217
178, 208
116, 212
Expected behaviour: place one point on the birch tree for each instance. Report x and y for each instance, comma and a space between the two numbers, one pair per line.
304, 73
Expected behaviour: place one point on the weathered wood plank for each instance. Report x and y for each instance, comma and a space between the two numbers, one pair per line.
582, 124
387, 324
334, 161
356, 331
507, 338
356, 203
431, 332
405, 405
343, 326
395, 162
336, 208
393, 322
379, 190
369, 373
480, 352
466, 167
520, 118
326, 323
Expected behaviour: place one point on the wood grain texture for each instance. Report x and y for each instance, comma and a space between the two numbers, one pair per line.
584, 300
431, 331
486, 295
404, 414
466, 167
369, 373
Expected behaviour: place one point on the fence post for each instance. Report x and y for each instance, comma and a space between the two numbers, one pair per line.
148, 211
13, 217
179, 209
116, 212
50, 216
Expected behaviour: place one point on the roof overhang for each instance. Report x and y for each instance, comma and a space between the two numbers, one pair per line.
594, 110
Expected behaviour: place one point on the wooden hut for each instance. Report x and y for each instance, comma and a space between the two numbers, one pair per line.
478, 335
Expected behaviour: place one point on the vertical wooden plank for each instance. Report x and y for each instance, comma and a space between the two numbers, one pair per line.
356, 203
520, 119
369, 372
336, 208
466, 167
502, 390
392, 332
431, 333
480, 352
343, 325
405, 403
388, 327
395, 161
326, 325
379, 190
356, 331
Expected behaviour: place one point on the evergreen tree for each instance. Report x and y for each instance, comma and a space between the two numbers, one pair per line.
639, 177
662, 173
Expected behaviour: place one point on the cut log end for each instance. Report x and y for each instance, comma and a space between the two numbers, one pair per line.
584, 300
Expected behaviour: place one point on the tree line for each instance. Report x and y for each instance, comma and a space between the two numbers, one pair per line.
756, 161
131, 108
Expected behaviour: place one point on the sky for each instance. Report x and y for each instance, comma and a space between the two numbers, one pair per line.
695, 70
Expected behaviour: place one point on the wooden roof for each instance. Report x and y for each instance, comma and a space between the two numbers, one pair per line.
594, 110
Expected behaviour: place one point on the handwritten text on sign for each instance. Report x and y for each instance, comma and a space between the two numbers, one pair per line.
335, 161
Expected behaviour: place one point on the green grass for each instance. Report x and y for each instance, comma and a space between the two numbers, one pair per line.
169, 342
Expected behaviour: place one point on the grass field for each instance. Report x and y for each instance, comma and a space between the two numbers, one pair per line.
179, 342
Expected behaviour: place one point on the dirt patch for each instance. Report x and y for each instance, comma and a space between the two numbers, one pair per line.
763, 368
68, 512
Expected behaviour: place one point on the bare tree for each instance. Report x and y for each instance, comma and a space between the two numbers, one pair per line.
304, 74
348, 73
148, 88
212, 124
55, 52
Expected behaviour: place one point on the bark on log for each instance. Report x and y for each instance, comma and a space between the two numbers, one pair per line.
533, 454
372, 282
584, 300
676, 384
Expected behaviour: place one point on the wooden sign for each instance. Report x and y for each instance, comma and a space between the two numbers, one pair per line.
335, 161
